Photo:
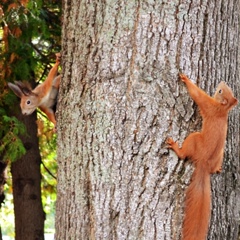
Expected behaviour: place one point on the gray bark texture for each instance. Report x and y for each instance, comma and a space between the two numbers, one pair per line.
120, 98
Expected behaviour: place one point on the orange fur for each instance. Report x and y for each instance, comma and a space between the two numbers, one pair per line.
205, 150
44, 96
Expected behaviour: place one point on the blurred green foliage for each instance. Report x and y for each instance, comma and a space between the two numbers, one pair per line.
30, 35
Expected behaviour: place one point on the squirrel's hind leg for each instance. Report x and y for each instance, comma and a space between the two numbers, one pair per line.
189, 146
174, 146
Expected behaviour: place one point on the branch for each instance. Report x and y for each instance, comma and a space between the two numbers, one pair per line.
48, 170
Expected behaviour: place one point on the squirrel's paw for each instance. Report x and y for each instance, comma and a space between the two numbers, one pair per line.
219, 170
54, 129
58, 57
183, 77
216, 170
170, 142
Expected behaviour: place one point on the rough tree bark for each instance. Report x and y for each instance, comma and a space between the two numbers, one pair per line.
120, 98
26, 179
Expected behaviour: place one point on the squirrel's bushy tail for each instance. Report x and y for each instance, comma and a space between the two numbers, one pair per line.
197, 205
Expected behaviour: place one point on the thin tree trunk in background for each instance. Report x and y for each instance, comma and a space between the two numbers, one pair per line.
120, 98
28, 209
3, 178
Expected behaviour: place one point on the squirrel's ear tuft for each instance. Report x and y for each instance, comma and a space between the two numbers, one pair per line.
25, 87
16, 89
21, 89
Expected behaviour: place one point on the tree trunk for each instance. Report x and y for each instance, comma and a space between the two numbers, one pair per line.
28, 209
3, 179
120, 98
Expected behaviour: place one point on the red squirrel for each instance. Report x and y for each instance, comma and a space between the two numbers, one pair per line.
205, 150
44, 96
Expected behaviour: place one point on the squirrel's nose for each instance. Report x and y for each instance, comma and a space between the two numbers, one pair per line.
24, 113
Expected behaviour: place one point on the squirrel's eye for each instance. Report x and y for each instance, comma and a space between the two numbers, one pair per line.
220, 91
28, 102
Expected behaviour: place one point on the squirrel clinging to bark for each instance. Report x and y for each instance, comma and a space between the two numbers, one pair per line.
44, 96
205, 149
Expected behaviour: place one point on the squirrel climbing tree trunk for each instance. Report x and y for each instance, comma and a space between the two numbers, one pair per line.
120, 98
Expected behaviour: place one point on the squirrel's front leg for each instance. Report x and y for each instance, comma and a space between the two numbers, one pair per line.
197, 94
194, 91
50, 114
53, 72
